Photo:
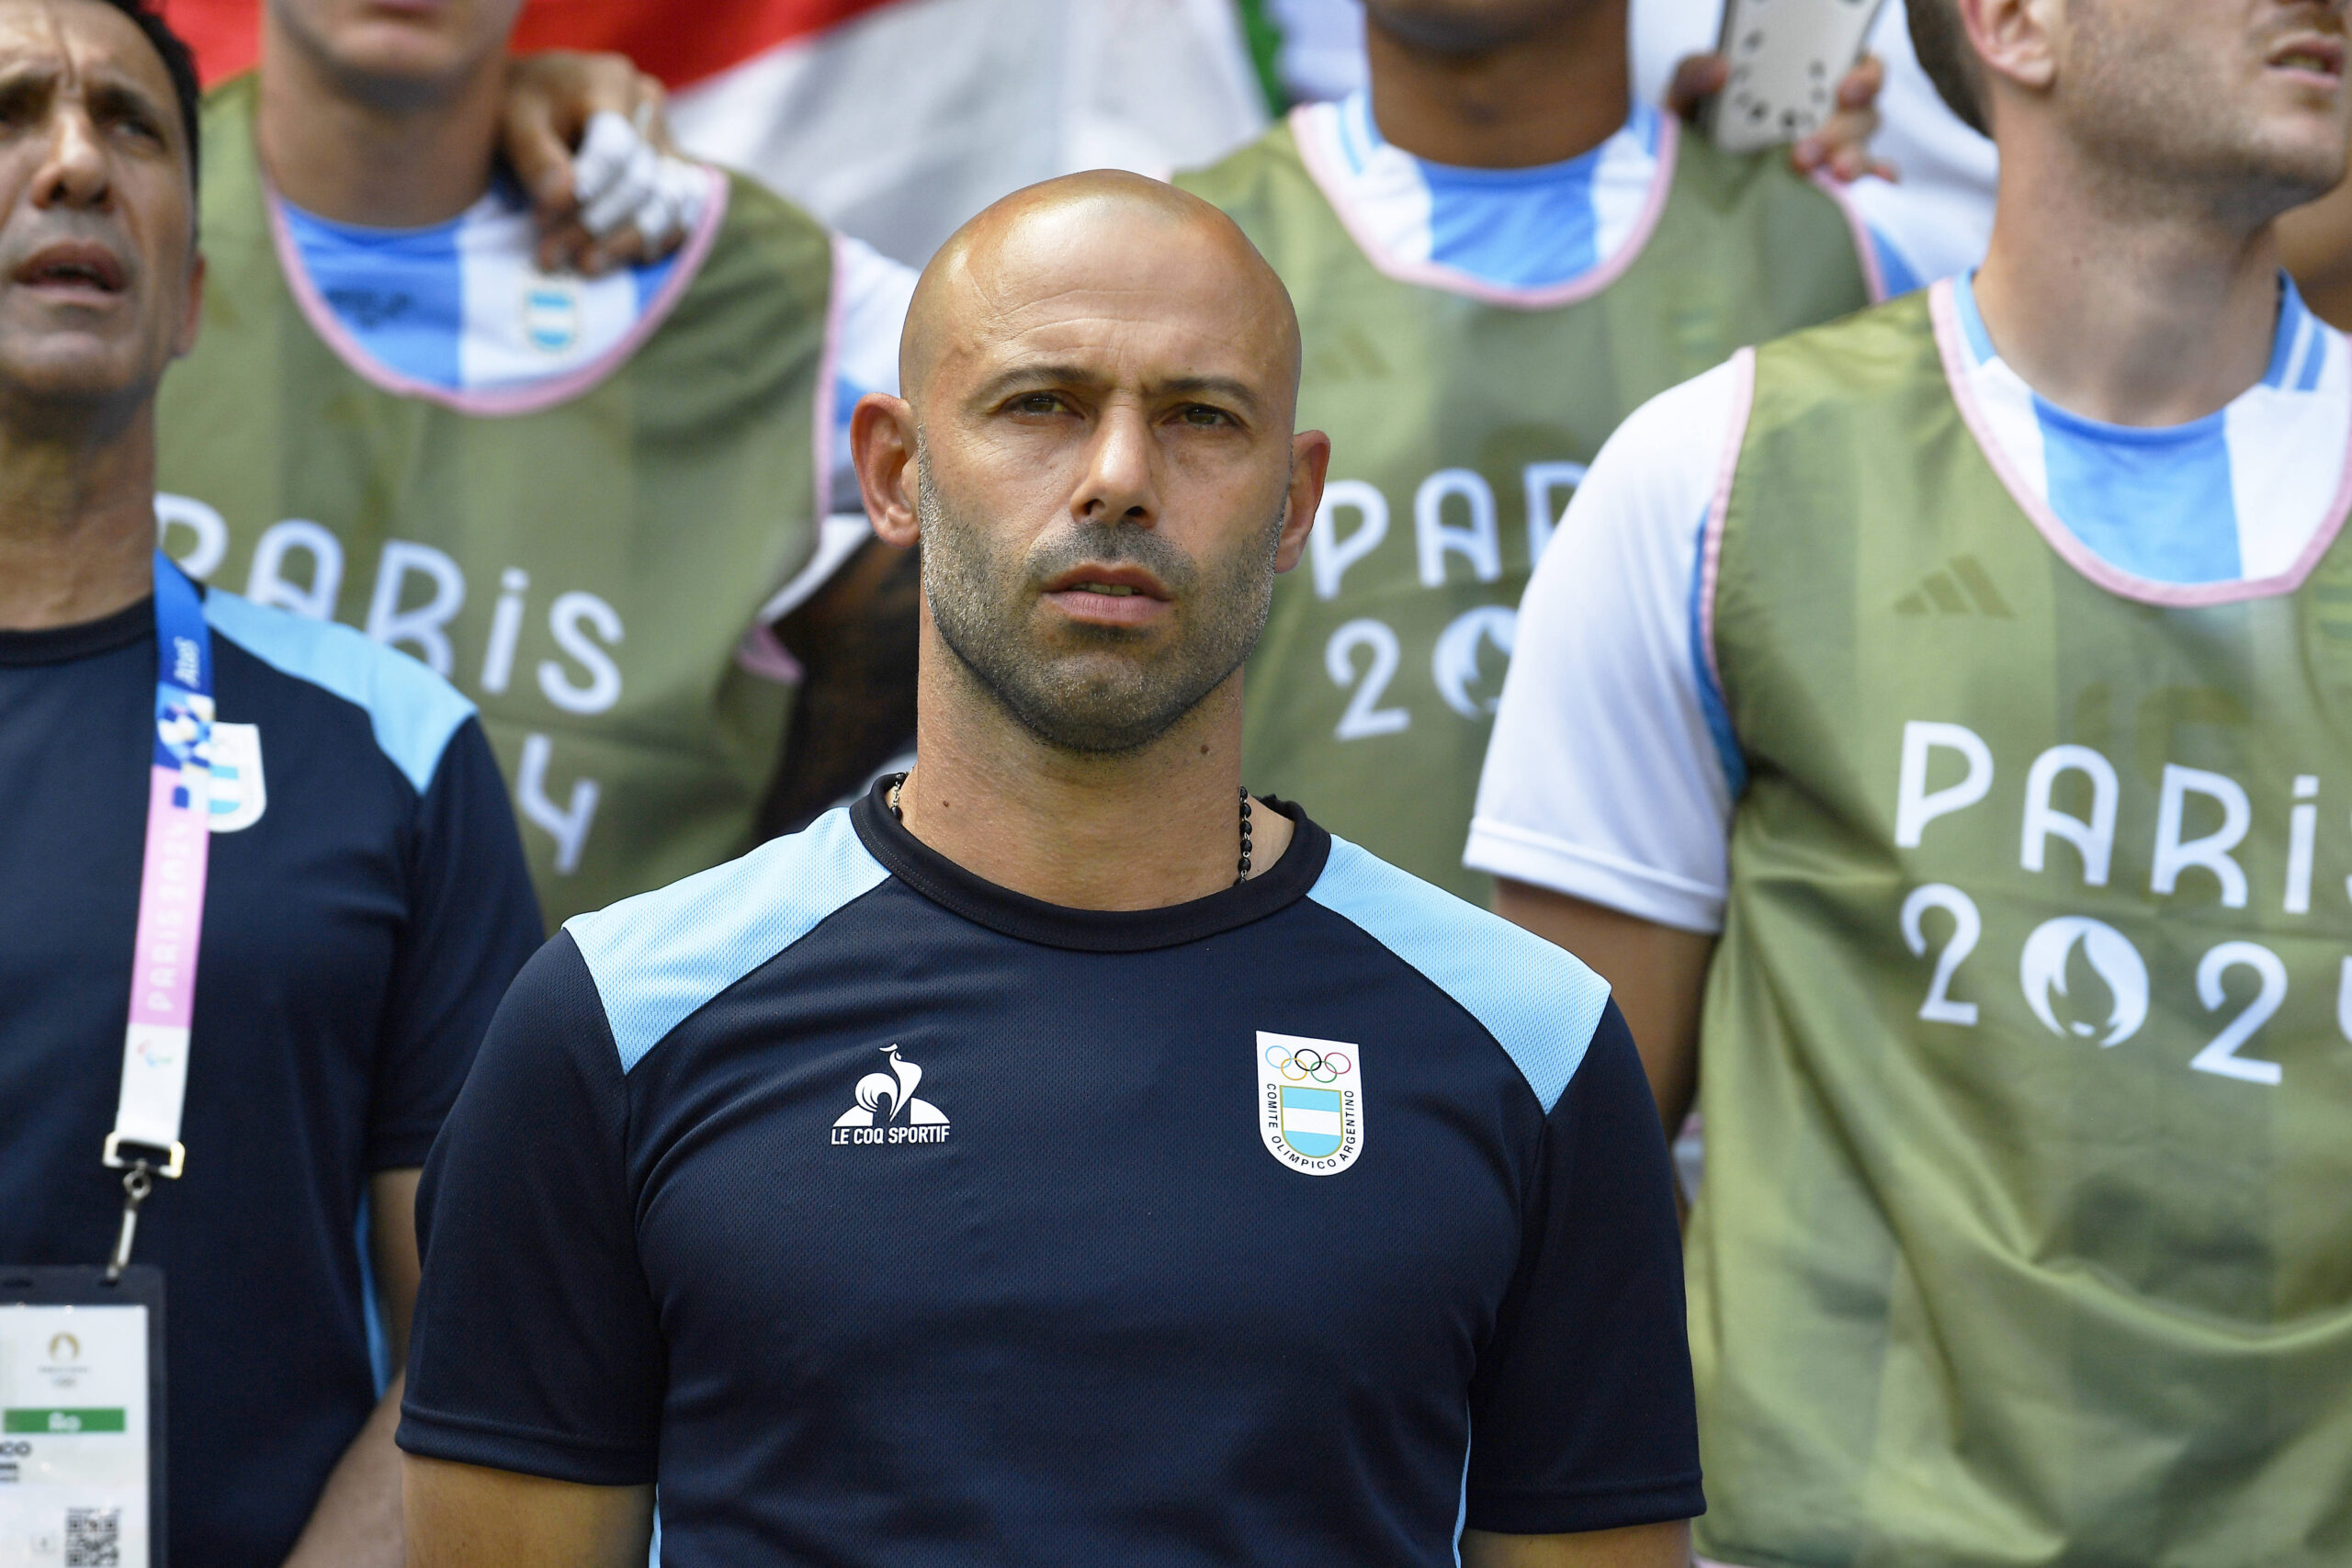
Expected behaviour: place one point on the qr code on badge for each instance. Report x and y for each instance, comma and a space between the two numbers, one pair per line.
94, 1538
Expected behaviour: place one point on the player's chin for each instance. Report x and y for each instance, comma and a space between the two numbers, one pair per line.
68, 366
2304, 155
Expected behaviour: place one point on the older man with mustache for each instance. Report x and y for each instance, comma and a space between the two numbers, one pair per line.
323, 812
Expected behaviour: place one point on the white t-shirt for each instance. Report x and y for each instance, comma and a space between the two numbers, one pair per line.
1613, 769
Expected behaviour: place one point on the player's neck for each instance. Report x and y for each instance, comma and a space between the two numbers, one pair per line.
1542, 99
1140, 830
382, 160
77, 522
2124, 305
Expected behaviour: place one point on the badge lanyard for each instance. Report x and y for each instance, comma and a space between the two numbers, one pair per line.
170, 906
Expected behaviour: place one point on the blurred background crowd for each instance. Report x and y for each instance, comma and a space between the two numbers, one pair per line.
535, 360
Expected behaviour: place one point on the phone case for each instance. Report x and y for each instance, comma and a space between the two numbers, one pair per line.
1786, 58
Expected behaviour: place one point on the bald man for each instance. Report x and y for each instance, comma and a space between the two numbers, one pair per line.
1059, 1156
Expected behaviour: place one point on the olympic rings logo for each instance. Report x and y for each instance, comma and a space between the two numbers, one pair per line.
1307, 1064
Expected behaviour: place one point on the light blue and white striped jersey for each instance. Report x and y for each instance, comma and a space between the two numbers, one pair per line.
2237, 495
462, 306
1535, 228
461, 309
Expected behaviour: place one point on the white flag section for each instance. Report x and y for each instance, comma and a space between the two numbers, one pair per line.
900, 122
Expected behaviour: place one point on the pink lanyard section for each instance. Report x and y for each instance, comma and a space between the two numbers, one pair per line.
171, 900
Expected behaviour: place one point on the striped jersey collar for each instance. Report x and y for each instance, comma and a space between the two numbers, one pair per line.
459, 313
1530, 237
2234, 506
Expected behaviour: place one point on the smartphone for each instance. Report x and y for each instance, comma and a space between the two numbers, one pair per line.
1786, 57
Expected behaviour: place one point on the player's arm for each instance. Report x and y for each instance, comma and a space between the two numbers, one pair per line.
1604, 808
537, 1370
357, 1521
471, 921
1584, 1435
1638, 1545
1655, 974
463, 1516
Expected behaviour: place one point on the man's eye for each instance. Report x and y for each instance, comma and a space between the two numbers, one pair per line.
1206, 417
1037, 403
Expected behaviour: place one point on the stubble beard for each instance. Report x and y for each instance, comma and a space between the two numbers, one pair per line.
1094, 690
2151, 116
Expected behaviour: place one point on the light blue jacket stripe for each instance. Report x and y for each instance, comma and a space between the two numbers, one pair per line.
1536, 1000
412, 711
2289, 336
1972, 325
658, 956
2314, 362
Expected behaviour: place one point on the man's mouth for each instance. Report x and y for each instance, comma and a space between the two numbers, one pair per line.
2310, 55
1108, 595
72, 268
1117, 581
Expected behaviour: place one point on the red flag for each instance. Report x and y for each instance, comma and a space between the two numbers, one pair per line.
680, 44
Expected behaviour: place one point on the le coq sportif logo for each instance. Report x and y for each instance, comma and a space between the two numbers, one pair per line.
888, 1110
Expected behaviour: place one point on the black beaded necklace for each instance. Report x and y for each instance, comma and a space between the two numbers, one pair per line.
899, 782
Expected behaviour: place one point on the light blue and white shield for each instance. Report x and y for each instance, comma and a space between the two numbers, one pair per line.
1312, 1123
1310, 1102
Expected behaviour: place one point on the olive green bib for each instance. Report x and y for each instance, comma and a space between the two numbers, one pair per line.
1459, 428
2026, 1234
585, 572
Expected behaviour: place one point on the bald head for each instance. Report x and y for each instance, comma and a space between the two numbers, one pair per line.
1107, 245
1096, 445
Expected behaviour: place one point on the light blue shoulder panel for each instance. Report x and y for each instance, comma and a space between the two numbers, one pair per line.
413, 710
1537, 999
661, 955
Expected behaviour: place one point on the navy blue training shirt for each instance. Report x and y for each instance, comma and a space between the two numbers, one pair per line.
367, 904
887, 1216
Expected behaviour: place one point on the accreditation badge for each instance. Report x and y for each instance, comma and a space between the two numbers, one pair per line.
81, 1419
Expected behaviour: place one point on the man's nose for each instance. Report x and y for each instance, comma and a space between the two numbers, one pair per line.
76, 172
1122, 481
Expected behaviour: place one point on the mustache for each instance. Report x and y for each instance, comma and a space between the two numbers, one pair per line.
1110, 543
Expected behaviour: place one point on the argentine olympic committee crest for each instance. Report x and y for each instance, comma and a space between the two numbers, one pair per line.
1310, 1102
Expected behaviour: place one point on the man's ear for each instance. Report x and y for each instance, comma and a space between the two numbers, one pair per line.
192, 313
2016, 41
1310, 460
882, 447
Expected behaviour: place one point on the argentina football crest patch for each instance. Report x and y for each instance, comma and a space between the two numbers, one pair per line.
1310, 1102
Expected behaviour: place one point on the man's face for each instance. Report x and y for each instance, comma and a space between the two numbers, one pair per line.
1105, 451
2245, 99
99, 270
403, 51
1468, 26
